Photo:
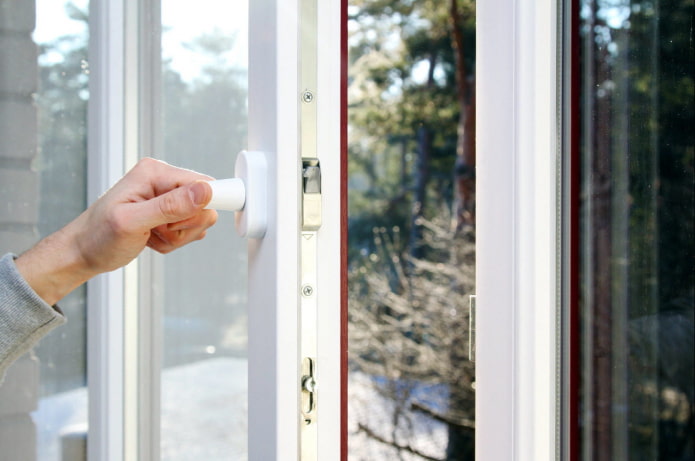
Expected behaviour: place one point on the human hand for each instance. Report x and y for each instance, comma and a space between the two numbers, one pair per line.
154, 204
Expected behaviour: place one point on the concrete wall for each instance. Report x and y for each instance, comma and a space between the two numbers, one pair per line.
19, 201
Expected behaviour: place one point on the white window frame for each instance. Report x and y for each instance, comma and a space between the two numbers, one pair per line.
123, 368
106, 163
329, 276
274, 286
518, 172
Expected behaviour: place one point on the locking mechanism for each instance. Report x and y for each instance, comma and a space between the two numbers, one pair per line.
311, 194
309, 388
309, 295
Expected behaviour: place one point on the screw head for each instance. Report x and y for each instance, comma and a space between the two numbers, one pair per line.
307, 290
307, 96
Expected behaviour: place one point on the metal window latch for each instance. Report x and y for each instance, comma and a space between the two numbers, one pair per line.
309, 387
311, 194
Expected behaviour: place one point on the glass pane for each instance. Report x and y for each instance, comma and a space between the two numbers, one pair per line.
637, 252
203, 291
411, 187
43, 101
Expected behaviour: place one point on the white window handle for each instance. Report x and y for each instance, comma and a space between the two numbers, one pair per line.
227, 194
246, 194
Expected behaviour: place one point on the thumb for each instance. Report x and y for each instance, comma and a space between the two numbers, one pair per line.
176, 205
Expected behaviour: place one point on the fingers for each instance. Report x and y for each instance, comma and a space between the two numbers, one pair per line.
155, 205
174, 206
160, 177
162, 244
164, 239
202, 219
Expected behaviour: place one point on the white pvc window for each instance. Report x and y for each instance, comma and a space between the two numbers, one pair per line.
131, 397
517, 353
162, 321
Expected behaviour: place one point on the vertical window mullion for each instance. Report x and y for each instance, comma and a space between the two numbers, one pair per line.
124, 343
143, 308
517, 372
106, 292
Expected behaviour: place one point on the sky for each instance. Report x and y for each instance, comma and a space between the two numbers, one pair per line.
52, 22
182, 20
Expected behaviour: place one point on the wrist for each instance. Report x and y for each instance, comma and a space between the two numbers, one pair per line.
53, 267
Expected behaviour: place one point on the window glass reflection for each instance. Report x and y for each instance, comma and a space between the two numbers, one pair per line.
62, 37
637, 247
411, 187
202, 288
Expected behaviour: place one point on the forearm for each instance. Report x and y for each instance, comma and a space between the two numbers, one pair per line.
54, 267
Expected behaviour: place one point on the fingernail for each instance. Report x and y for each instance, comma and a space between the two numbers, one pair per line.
199, 193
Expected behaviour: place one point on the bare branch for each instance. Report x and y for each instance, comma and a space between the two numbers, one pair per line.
407, 448
458, 422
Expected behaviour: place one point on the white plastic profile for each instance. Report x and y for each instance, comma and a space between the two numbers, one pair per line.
246, 194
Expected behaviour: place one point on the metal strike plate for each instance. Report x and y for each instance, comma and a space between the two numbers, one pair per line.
311, 194
311, 220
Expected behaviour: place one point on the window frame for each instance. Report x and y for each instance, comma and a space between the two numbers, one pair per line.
274, 99
519, 231
105, 293
123, 369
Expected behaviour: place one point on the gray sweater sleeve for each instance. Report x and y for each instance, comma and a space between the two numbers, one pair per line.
24, 317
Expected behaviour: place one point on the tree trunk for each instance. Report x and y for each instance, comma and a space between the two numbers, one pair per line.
461, 442
421, 177
422, 173
464, 172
